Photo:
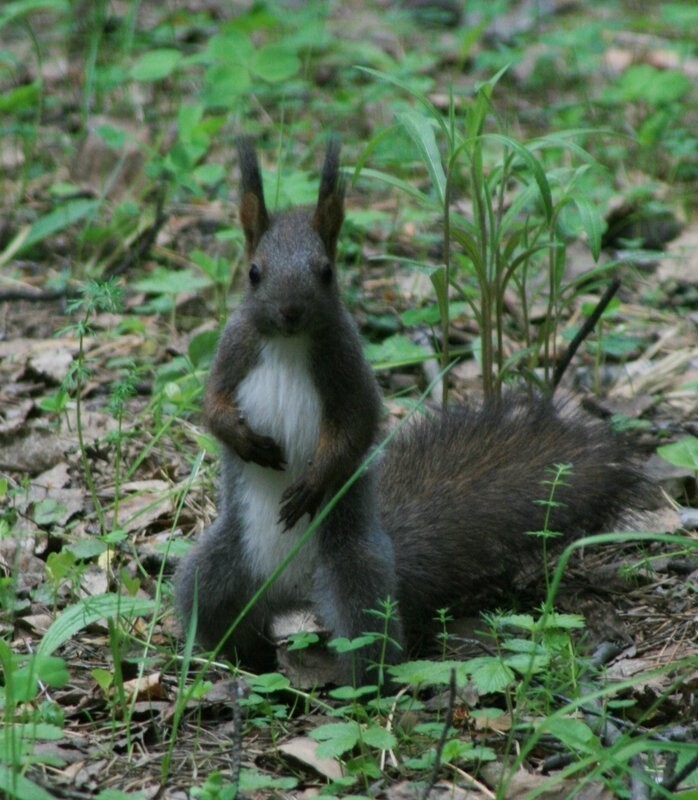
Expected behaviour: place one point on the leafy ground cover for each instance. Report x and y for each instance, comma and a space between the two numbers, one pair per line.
507, 161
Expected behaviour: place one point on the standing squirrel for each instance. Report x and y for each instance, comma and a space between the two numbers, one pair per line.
438, 520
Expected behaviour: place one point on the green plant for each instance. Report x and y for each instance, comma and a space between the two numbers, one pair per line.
520, 223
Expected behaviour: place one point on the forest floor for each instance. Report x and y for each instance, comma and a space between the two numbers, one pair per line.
119, 256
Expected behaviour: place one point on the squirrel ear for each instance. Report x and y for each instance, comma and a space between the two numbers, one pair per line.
253, 211
329, 213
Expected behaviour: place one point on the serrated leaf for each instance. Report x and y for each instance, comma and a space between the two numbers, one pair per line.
336, 738
432, 673
269, 682
375, 736
492, 676
155, 64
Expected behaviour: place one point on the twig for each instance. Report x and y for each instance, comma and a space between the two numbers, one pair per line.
673, 783
442, 739
584, 331
236, 748
144, 241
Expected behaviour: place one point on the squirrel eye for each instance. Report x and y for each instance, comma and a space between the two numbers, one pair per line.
254, 274
326, 272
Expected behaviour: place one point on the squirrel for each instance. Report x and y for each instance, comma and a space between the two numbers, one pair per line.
438, 520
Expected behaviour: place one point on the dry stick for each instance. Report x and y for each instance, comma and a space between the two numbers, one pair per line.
444, 733
236, 749
673, 783
584, 331
140, 247
35, 295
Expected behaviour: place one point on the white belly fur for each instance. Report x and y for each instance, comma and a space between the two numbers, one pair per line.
278, 398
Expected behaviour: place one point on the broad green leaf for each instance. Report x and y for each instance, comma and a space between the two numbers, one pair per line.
574, 733
396, 350
275, 63
225, 82
492, 676
155, 65
203, 347
269, 682
337, 738
375, 736
21, 98
231, 47
48, 511
169, 281
431, 673
683, 453
421, 131
77, 617
251, 780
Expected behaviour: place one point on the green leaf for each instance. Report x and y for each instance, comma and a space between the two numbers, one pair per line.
12, 784
431, 673
77, 617
376, 736
421, 131
337, 738
275, 63
48, 511
395, 350
231, 46
19, 99
57, 220
155, 64
683, 453
251, 780
492, 676
269, 682
19, 8
574, 733
202, 348
592, 223
533, 164
223, 83
169, 281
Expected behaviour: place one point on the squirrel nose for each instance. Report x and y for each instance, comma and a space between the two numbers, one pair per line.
292, 313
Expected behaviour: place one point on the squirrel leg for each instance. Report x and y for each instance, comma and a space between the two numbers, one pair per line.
213, 577
356, 574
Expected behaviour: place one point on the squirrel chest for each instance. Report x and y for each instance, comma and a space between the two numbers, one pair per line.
278, 398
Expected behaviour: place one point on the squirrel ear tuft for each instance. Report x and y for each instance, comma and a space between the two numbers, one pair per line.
329, 213
253, 211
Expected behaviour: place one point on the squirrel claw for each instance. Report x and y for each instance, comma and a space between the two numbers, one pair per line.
297, 500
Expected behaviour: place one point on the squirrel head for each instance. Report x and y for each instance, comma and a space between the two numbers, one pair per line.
292, 287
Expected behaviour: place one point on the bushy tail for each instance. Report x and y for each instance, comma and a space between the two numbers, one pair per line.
460, 490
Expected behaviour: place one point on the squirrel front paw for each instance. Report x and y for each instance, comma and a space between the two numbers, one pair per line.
262, 450
300, 498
